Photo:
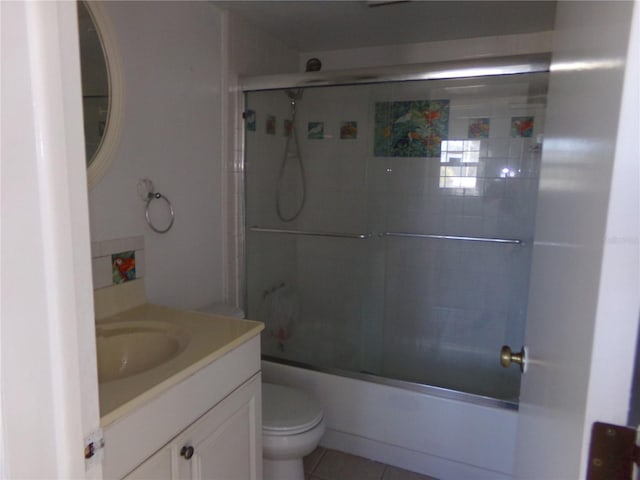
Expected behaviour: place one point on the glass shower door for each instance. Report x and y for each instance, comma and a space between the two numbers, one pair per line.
410, 259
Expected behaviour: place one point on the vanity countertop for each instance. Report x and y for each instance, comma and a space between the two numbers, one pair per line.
210, 337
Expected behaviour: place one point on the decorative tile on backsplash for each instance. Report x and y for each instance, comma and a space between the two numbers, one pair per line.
522, 127
123, 266
117, 261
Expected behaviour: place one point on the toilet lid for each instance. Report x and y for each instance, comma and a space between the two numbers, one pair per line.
286, 411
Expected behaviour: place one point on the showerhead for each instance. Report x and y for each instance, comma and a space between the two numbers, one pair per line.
294, 94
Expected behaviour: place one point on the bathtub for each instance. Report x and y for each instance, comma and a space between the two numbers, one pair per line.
432, 432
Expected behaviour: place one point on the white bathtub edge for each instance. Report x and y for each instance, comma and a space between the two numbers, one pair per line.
453, 440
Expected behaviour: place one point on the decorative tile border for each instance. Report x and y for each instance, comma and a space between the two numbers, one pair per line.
402, 129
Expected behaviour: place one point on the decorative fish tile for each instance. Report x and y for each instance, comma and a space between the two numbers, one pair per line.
410, 129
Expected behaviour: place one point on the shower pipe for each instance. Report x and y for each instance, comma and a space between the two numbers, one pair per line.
480, 67
362, 236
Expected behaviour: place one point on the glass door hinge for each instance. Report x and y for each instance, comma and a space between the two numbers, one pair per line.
93, 449
613, 452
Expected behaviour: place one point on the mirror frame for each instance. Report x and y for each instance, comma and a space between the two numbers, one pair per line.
105, 153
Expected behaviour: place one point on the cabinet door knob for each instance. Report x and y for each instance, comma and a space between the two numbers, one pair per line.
186, 452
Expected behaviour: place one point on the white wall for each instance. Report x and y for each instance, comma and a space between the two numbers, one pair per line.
432, 51
254, 52
170, 54
176, 68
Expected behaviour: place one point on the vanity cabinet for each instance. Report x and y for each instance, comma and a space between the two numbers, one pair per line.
211, 403
224, 443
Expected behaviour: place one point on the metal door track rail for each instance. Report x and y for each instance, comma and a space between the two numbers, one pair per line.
312, 233
455, 237
362, 236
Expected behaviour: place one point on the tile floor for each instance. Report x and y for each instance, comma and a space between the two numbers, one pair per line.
326, 464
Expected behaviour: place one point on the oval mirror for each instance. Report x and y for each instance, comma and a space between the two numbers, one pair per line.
101, 88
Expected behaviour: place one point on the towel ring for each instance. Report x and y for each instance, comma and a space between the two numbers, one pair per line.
151, 196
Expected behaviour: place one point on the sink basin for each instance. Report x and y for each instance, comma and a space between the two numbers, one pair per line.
129, 348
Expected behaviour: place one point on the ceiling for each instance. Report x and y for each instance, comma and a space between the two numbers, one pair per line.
308, 26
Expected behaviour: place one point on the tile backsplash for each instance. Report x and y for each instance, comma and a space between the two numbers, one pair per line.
117, 261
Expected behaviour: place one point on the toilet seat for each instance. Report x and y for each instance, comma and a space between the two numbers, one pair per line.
286, 411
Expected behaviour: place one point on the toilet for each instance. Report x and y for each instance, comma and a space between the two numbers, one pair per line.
292, 425
292, 421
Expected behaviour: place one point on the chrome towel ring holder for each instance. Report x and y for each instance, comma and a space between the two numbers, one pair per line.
146, 191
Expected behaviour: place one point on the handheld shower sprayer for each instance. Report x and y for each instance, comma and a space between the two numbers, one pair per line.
291, 156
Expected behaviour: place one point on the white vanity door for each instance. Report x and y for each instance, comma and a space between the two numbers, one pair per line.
157, 467
226, 443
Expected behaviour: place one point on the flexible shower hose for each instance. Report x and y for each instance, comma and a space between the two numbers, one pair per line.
293, 135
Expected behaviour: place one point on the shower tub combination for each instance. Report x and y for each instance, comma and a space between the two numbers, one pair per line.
389, 226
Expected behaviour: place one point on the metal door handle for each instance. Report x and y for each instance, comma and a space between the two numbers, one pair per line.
507, 357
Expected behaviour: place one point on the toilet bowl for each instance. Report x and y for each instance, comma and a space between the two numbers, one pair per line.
292, 426
292, 421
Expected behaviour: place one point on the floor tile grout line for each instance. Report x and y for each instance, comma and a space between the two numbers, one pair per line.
317, 463
313, 473
314, 467
384, 470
